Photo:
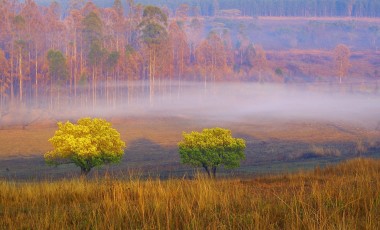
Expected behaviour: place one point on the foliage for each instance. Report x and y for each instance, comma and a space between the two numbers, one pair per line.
18, 21
57, 65
96, 54
278, 71
153, 25
112, 59
211, 148
89, 143
153, 33
92, 27
154, 14
250, 55
129, 50
89, 37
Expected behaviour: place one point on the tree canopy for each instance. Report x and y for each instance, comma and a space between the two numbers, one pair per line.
57, 65
153, 25
211, 148
89, 143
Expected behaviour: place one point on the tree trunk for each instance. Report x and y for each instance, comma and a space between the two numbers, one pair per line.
51, 94
340, 72
150, 76
93, 88
20, 74
207, 170
11, 77
36, 79
214, 172
75, 66
84, 172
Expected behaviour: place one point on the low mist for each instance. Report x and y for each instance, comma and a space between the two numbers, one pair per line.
212, 101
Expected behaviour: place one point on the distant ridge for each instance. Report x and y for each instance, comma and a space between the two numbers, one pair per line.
300, 8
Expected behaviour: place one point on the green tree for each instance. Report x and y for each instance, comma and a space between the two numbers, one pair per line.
57, 66
92, 27
210, 149
58, 72
89, 143
153, 34
93, 35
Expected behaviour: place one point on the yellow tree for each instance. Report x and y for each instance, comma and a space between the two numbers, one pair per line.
342, 60
87, 144
211, 148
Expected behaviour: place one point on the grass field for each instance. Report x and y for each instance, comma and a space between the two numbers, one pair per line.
272, 146
345, 196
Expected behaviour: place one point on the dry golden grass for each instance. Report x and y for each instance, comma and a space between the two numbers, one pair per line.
346, 196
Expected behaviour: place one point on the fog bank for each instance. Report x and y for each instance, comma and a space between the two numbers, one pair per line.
219, 101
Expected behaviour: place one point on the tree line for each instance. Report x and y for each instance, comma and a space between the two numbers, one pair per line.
304, 8
96, 54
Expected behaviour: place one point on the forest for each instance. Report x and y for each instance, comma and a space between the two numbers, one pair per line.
87, 55
306, 8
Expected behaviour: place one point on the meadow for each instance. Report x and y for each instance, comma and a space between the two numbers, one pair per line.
298, 173
273, 146
344, 196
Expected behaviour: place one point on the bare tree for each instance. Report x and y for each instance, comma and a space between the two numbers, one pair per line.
342, 60
260, 61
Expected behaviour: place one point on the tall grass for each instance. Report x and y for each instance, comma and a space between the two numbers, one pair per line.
346, 196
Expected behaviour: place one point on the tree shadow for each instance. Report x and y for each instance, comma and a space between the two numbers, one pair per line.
143, 158
34, 168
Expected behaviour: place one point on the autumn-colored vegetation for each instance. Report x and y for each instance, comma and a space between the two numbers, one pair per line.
87, 144
86, 55
345, 196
